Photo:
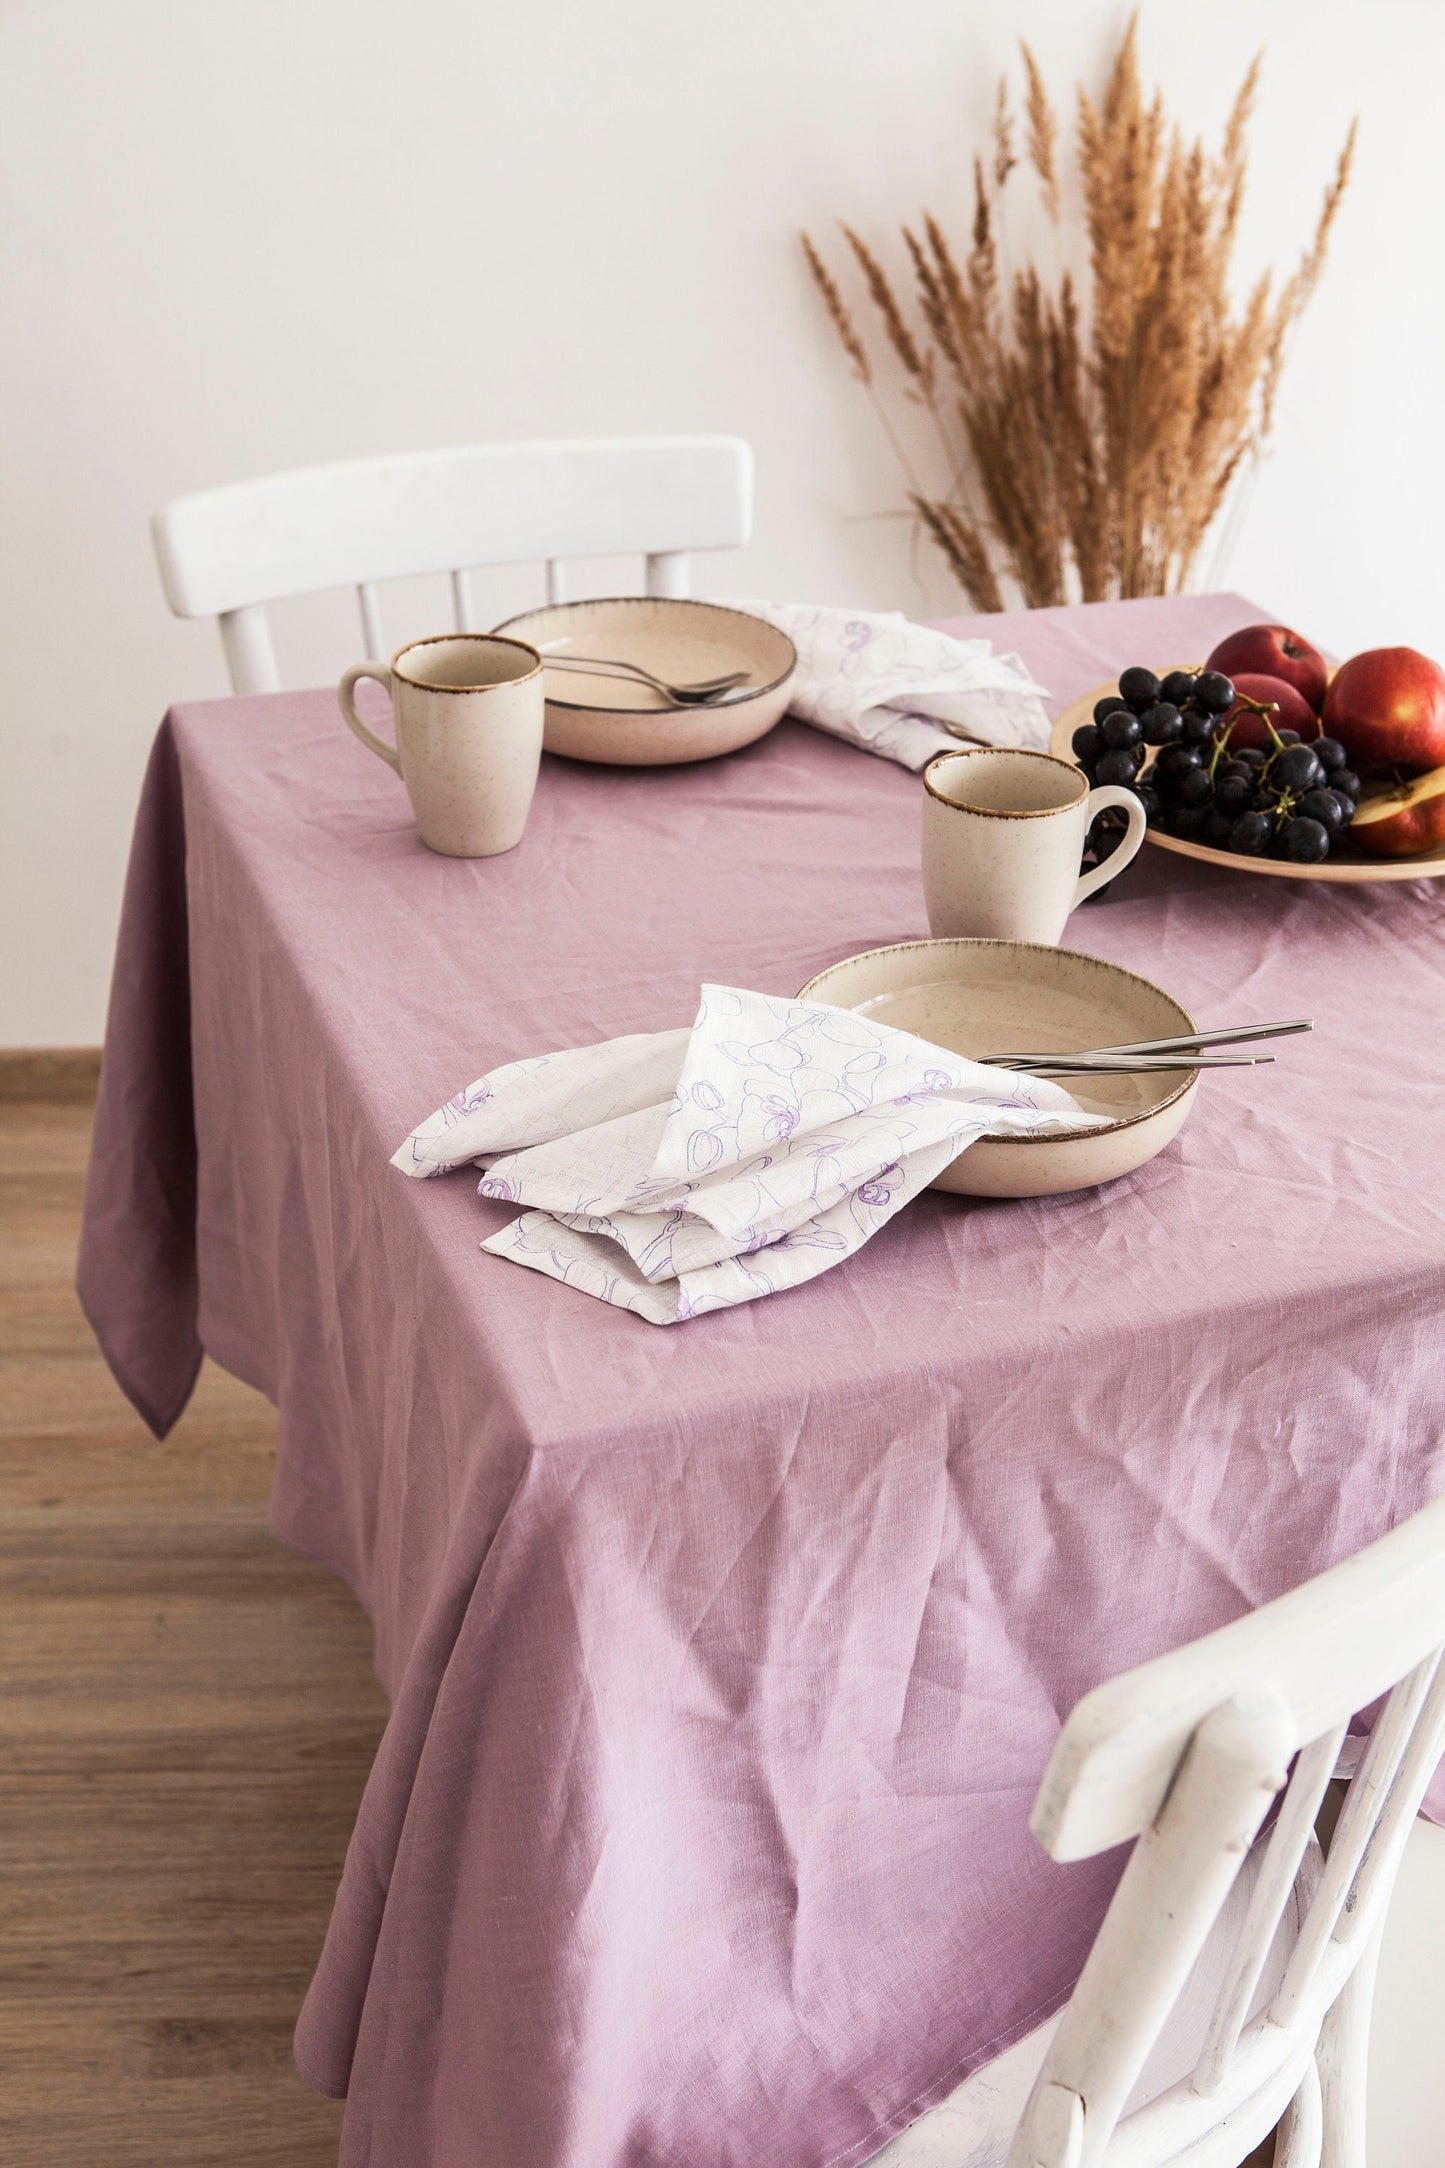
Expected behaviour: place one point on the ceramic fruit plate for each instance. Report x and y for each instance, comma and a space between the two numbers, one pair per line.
1346, 865
631, 725
992, 997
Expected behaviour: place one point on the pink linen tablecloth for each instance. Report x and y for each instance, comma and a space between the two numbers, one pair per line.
724, 1661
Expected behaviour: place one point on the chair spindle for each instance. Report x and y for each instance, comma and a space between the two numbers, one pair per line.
371, 632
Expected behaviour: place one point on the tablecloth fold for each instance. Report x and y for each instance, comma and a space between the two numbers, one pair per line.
136, 1273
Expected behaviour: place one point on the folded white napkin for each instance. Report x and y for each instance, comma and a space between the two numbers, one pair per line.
682, 1171
900, 689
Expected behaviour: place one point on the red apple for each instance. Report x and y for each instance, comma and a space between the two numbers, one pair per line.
1273, 651
1401, 823
1291, 712
1387, 708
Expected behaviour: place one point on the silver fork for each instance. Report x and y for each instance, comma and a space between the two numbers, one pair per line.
1102, 1064
694, 694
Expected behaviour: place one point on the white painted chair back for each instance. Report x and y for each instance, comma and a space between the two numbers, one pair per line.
1186, 1755
224, 553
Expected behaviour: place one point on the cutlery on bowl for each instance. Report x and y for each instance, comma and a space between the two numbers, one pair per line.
1234, 1035
697, 692
1117, 1065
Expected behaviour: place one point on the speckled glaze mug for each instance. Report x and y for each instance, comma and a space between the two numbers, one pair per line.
1003, 834
469, 710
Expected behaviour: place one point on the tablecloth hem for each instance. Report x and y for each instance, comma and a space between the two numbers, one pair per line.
933, 2095
159, 1423
317, 2085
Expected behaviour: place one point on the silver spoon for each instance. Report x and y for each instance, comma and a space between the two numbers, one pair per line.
696, 693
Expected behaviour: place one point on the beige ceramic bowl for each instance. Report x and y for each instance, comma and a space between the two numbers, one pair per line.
992, 997
606, 719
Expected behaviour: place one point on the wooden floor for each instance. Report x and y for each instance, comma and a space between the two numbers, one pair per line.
187, 1716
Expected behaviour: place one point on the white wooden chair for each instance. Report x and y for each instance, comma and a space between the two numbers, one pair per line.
1229, 1987
224, 553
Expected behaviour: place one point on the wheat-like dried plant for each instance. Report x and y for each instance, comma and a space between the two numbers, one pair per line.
1086, 450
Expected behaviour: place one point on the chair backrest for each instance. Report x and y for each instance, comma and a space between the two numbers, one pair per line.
226, 552
1186, 1755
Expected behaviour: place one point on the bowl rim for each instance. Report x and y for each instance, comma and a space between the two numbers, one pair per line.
677, 707
1053, 1136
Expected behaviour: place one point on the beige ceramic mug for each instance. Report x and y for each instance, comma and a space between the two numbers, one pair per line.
469, 709
1003, 834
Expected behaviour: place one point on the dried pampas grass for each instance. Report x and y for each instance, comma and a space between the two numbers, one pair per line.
1086, 452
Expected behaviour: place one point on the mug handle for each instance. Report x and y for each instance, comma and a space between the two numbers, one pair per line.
1106, 795
378, 670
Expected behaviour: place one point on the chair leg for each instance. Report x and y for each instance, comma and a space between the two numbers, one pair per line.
1299, 2140
1343, 2056
1263, 2155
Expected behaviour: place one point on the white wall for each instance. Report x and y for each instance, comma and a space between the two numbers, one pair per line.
236, 238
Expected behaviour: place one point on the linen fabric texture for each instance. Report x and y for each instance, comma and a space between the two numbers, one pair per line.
724, 1662
680, 1172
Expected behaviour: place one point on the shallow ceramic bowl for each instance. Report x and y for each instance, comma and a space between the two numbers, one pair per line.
606, 719
992, 997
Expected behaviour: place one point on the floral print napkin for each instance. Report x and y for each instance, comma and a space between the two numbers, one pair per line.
682, 1171
903, 690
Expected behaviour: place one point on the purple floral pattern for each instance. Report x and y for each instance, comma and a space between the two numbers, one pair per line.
902, 690
685, 1171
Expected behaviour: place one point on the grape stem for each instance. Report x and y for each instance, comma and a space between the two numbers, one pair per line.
1266, 708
